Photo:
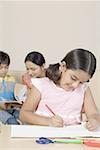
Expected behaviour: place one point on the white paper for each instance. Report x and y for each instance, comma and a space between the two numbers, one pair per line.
45, 131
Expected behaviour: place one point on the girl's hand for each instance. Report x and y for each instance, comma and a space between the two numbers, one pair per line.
56, 121
92, 124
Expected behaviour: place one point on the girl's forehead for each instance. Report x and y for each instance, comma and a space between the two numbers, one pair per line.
79, 74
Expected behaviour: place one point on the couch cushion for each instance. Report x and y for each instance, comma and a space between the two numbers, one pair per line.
17, 74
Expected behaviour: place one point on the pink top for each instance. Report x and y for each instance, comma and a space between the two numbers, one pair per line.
67, 104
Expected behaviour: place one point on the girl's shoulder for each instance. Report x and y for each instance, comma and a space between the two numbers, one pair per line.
40, 83
40, 80
82, 88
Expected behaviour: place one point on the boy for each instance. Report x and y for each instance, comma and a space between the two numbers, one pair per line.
7, 84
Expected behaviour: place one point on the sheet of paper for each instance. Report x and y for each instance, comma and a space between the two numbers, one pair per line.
45, 131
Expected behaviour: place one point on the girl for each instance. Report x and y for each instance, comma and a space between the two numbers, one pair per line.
65, 91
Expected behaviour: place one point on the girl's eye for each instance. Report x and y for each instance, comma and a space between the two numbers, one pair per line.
81, 82
73, 79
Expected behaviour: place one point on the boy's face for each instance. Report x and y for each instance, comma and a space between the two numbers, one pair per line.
3, 70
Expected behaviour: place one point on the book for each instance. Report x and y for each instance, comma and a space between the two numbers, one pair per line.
20, 94
72, 131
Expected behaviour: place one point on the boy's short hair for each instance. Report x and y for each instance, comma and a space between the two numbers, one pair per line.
4, 58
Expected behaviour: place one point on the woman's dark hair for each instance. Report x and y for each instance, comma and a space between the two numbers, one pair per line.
75, 59
4, 58
36, 58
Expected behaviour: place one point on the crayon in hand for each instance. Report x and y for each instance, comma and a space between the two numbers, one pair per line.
50, 109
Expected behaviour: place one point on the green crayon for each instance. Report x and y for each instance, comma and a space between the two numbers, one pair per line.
70, 141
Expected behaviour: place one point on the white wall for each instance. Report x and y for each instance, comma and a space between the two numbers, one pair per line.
52, 28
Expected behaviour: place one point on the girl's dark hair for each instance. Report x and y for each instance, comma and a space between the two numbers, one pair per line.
75, 59
36, 58
4, 58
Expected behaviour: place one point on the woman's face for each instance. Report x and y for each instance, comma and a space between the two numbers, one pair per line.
71, 79
34, 70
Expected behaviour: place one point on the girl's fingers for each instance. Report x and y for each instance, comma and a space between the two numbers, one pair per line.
57, 121
91, 125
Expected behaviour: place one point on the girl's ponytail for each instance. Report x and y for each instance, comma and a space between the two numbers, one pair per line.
52, 72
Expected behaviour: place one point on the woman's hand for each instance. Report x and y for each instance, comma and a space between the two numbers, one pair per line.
27, 80
56, 121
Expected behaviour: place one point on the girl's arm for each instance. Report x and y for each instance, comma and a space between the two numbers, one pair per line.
93, 116
29, 107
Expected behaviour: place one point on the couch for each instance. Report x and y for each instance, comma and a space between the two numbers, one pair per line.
17, 74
